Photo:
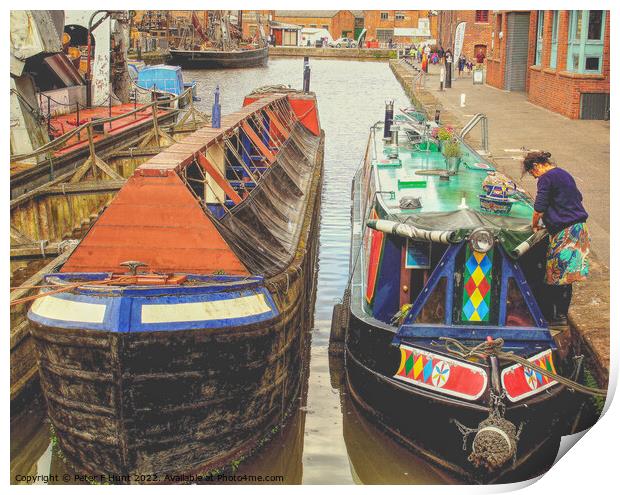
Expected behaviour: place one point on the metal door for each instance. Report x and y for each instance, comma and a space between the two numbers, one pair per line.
517, 40
594, 106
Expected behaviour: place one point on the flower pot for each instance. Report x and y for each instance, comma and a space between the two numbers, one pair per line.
452, 164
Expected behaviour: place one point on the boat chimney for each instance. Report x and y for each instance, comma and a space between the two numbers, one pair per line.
389, 118
394, 135
216, 112
306, 75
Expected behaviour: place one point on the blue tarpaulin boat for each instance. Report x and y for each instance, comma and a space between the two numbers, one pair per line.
167, 78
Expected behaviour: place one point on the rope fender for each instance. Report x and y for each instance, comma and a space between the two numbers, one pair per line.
496, 438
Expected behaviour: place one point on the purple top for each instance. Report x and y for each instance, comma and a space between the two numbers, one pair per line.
559, 200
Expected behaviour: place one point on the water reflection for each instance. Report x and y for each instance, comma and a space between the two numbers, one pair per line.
327, 440
374, 458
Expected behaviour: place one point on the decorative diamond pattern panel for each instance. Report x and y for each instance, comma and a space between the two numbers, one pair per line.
477, 286
443, 374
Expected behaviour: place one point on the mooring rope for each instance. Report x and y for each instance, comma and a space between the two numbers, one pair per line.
69, 287
494, 348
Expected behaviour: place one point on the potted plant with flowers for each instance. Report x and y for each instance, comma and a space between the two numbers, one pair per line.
452, 153
442, 135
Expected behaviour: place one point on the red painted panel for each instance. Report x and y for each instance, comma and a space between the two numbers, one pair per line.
521, 382
306, 111
441, 373
155, 220
374, 259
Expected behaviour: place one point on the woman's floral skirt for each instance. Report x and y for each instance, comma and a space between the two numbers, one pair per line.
567, 256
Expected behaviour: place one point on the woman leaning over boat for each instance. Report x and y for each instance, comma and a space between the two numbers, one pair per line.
559, 205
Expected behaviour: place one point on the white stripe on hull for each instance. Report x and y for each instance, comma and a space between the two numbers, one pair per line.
67, 310
238, 307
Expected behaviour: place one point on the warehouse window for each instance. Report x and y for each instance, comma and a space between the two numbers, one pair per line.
384, 16
586, 34
384, 35
325, 26
539, 37
554, 39
482, 16
400, 16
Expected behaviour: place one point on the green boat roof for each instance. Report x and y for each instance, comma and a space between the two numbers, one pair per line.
452, 204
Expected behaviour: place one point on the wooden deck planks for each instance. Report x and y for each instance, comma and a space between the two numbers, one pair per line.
183, 152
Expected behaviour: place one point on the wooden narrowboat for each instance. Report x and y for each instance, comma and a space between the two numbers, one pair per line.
174, 338
441, 316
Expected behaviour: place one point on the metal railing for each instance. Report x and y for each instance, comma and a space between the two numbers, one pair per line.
419, 80
56, 144
481, 119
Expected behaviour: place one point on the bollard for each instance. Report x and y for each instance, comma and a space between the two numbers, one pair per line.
306, 75
442, 78
448, 83
389, 118
216, 112
462, 99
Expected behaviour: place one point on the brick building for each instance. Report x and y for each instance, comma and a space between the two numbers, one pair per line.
401, 26
250, 20
478, 30
559, 58
339, 23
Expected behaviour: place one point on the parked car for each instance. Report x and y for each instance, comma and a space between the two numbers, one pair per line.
343, 42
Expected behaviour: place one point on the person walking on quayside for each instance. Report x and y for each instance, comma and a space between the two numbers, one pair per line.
559, 205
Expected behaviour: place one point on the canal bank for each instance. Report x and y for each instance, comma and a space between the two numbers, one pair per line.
341, 53
162, 57
516, 126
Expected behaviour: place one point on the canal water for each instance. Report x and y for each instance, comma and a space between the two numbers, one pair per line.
327, 439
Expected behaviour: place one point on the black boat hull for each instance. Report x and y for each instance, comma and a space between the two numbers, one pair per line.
213, 59
425, 421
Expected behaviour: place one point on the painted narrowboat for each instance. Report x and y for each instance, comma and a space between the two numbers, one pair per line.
445, 282
175, 337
